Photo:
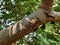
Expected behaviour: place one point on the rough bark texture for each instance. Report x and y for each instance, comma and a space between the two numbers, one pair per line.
23, 27
28, 24
46, 4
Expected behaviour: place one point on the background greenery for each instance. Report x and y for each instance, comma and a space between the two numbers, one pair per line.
12, 11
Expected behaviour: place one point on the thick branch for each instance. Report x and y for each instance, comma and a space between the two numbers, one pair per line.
26, 25
23, 27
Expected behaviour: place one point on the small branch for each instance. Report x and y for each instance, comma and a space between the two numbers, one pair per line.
57, 16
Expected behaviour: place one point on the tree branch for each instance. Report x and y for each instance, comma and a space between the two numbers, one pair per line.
46, 4
27, 24
23, 27
57, 16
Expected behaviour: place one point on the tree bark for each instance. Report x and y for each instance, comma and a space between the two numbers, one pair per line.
29, 23
23, 27
46, 4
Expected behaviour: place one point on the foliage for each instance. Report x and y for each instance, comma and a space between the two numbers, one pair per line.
12, 11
